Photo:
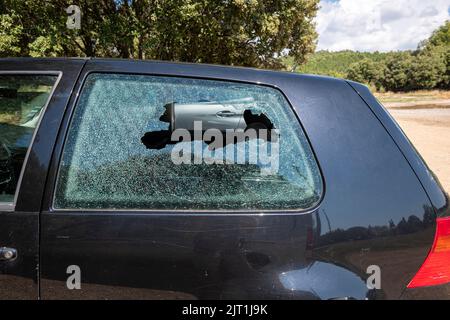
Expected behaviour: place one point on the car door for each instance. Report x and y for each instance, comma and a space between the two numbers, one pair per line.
33, 95
123, 221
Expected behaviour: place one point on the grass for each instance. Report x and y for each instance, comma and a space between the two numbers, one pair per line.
421, 95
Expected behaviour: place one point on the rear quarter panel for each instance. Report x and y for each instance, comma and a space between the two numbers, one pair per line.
438, 198
375, 211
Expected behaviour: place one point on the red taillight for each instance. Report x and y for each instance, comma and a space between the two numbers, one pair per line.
436, 268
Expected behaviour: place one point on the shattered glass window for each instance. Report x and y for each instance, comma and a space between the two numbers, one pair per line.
153, 142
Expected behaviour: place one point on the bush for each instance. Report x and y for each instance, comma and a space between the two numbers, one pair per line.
427, 70
396, 72
445, 81
366, 71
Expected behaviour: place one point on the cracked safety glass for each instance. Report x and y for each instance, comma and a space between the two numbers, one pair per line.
167, 143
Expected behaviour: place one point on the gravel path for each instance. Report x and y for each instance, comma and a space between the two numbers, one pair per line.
428, 128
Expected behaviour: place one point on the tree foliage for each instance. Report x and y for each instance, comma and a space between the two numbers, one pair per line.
428, 67
232, 32
405, 71
396, 72
334, 64
10, 32
366, 70
440, 37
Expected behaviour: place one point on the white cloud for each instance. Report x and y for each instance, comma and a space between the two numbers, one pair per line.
381, 25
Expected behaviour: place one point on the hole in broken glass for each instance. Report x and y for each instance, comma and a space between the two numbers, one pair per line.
237, 116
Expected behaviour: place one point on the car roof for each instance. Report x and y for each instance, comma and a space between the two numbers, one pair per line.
277, 73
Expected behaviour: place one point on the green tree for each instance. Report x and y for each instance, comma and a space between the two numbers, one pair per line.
440, 37
427, 70
10, 32
438, 45
331, 63
234, 32
365, 71
396, 72
445, 83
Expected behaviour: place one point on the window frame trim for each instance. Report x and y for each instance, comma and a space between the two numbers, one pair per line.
174, 212
10, 206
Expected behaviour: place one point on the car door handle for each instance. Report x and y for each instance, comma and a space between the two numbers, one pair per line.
7, 254
225, 113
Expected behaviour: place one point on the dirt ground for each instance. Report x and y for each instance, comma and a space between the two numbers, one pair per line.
427, 125
421, 95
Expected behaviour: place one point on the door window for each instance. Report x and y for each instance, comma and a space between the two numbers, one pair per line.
22, 100
151, 142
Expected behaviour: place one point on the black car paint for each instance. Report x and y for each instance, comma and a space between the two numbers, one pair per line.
19, 228
374, 210
429, 181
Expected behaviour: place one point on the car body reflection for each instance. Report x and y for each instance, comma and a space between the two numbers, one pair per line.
325, 280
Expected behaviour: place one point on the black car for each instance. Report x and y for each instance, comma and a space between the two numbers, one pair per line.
108, 190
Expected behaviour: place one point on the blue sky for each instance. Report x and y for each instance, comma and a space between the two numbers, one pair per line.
383, 25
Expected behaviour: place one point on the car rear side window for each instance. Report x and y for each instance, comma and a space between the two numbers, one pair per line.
167, 143
22, 99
